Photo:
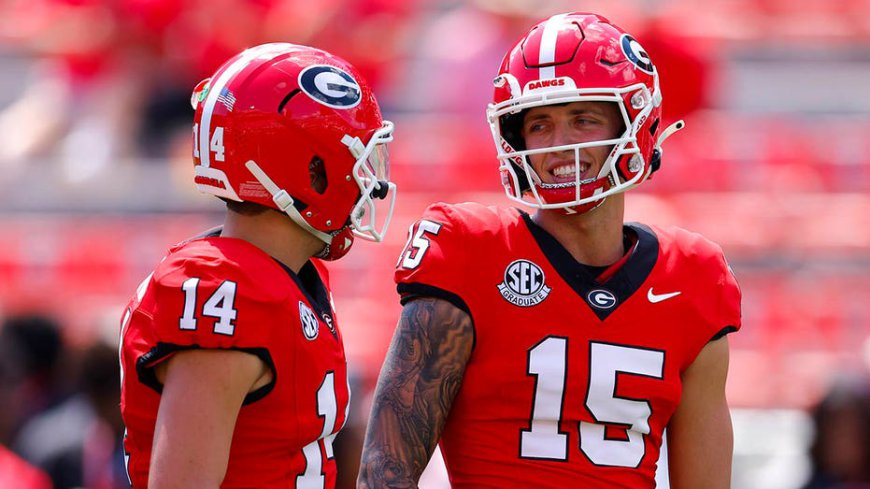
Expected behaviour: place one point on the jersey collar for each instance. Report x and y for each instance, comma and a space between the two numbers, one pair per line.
620, 283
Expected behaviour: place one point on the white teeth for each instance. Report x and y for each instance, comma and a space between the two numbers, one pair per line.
569, 170
564, 171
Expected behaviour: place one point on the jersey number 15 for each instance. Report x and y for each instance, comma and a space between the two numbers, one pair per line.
548, 363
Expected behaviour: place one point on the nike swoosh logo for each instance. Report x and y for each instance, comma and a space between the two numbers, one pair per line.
660, 297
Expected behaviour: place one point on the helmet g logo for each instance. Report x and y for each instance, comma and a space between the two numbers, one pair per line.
636, 53
330, 86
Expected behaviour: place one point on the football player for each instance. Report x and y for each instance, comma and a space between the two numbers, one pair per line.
233, 368
553, 349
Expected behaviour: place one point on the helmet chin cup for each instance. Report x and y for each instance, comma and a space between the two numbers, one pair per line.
339, 245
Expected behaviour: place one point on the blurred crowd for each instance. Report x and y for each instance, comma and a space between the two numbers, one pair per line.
840, 449
60, 425
786, 176
114, 76
109, 80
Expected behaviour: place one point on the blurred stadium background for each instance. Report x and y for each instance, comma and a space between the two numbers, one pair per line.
95, 172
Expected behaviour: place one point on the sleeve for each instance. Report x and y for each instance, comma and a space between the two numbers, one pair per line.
433, 262
728, 317
718, 298
209, 302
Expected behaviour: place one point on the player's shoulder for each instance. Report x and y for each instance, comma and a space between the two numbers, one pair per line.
691, 258
473, 217
218, 253
214, 260
684, 244
691, 252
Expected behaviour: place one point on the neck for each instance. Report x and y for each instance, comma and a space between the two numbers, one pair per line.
593, 238
276, 234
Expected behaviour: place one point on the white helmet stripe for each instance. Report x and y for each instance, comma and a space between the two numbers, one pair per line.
214, 91
548, 46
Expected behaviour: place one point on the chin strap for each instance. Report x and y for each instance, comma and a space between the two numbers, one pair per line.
656, 159
668, 132
284, 201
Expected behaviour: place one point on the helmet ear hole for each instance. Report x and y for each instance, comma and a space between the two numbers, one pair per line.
287, 99
317, 173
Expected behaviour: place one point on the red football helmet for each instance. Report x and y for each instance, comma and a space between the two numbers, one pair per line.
299, 130
571, 58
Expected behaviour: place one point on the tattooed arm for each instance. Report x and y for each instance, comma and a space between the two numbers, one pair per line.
418, 382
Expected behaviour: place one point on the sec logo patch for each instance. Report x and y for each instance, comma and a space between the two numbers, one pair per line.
310, 324
523, 284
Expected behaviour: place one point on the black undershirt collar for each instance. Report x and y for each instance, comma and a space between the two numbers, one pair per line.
602, 298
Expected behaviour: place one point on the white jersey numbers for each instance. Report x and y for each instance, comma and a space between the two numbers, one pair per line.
220, 305
548, 362
188, 321
606, 363
418, 244
327, 408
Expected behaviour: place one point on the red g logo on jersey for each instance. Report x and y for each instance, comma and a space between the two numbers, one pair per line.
601, 299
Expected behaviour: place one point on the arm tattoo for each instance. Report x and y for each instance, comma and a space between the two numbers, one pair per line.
418, 382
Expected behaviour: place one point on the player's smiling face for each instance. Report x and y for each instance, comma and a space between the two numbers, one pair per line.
576, 122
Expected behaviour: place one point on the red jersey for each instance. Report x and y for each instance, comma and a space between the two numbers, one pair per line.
572, 379
225, 293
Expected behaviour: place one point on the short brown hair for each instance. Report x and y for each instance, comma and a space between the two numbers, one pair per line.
245, 208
